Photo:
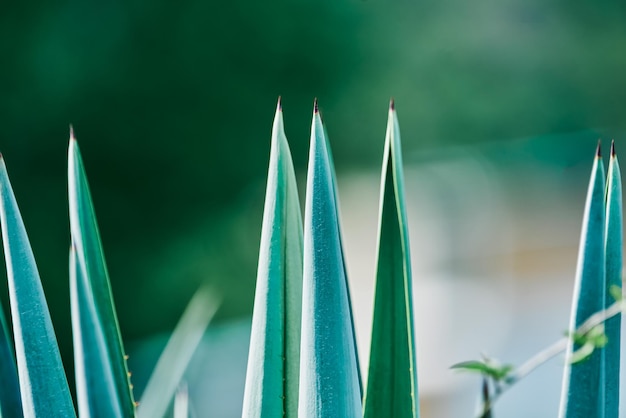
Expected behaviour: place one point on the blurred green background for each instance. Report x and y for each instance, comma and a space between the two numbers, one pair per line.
172, 104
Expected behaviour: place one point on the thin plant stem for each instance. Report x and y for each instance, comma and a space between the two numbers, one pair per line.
550, 352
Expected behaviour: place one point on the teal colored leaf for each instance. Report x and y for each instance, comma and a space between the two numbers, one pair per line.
90, 358
613, 250
392, 377
345, 270
581, 395
274, 359
10, 400
43, 384
101, 371
181, 402
173, 362
329, 381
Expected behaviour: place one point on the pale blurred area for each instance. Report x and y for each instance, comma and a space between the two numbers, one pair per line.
494, 233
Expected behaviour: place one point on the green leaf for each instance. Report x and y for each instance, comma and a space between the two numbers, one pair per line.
616, 293
177, 354
101, 371
487, 368
613, 249
583, 353
329, 381
392, 378
90, 358
181, 402
10, 400
582, 392
345, 270
43, 384
274, 359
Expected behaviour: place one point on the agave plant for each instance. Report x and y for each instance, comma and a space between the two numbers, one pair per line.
591, 388
591, 375
102, 379
329, 374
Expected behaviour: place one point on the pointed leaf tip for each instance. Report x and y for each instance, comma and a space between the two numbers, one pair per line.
612, 148
72, 137
392, 104
315, 107
279, 106
599, 149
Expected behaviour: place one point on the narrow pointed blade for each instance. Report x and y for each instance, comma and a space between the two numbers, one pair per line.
272, 376
103, 353
392, 377
329, 381
613, 248
581, 390
43, 383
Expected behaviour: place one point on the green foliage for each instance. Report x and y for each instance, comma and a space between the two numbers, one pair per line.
329, 380
10, 401
181, 402
303, 360
273, 366
172, 363
43, 384
587, 343
613, 280
103, 385
392, 378
487, 367
582, 391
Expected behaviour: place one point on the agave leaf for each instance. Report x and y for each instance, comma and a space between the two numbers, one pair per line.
581, 391
273, 363
104, 363
181, 402
392, 376
43, 384
613, 249
345, 270
329, 381
10, 401
177, 354
90, 358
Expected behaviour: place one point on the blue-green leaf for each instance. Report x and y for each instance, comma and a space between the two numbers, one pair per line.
43, 384
345, 270
177, 354
99, 354
10, 401
90, 356
329, 381
273, 362
582, 393
181, 402
613, 248
392, 376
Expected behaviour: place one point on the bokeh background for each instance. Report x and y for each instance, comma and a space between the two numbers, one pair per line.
500, 102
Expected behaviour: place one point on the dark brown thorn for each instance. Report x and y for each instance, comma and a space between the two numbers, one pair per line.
315, 108
392, 104
612, 148
280, 103
599, 149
